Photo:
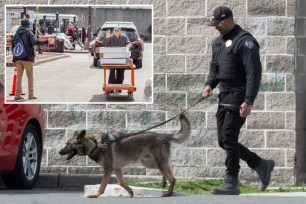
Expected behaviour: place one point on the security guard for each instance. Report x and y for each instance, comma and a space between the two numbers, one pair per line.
237, 69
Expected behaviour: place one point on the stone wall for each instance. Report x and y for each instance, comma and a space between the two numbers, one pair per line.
182, 52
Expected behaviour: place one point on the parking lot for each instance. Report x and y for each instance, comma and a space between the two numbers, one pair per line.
74, 79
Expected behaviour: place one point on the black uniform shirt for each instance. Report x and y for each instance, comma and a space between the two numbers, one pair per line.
236, 63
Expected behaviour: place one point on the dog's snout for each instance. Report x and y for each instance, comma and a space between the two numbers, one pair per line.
61, 152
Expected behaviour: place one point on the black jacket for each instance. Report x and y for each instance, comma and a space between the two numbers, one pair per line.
29, 41
236, 63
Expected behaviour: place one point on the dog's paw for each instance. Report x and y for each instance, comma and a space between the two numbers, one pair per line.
131, 194
167, 194
96, 195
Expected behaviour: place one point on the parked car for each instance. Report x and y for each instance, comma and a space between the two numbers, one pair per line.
130, 30
21, 143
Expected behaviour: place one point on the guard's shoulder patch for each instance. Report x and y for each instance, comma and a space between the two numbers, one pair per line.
249, 44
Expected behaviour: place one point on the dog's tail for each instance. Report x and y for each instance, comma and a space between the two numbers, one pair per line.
184, 133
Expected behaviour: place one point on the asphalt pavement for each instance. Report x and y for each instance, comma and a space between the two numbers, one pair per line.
74, 79
65, 196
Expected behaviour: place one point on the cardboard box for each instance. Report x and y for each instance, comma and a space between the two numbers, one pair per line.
116, 61
115, 55
112, 49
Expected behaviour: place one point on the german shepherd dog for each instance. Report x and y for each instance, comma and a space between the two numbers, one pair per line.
151, 149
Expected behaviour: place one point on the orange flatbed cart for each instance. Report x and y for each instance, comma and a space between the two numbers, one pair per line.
107, 88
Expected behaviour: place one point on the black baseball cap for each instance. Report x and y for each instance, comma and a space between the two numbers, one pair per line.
220, 13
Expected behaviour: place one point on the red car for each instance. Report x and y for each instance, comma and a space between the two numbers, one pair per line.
21, 143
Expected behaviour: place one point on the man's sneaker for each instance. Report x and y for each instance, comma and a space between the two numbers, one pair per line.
229, 187
264, 170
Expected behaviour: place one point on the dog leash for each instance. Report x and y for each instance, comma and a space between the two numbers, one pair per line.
133, 134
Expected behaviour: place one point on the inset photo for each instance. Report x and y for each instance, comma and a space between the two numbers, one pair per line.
79, 54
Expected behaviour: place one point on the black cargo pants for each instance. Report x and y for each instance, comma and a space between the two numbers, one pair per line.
116, 76
229, 123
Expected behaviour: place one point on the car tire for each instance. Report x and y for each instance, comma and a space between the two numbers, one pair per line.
30, 160
138, 63
95, 61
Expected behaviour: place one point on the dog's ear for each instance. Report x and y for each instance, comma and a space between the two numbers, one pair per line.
75, 134
81, 135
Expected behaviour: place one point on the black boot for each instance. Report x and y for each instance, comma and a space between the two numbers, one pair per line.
229, 187
264, 170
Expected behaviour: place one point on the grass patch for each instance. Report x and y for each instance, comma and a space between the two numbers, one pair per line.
200, 186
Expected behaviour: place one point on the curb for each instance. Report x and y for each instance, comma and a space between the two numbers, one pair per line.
11, 64
77, 181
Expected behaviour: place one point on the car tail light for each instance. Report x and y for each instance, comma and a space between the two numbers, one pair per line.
98, 42
136, 43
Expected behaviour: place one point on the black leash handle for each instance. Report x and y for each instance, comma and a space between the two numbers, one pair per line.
133, 134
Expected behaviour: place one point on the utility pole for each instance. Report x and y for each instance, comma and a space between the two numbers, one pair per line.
88, 29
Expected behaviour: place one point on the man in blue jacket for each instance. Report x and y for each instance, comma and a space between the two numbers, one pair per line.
29, 40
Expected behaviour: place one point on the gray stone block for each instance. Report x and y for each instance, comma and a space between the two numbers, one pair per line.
280, 63
189, 157
252, 139
67, 119
291, 8
109, 1
85, 170
300, 8
280, 139
273, 82
216, 157
290, 49
198, 64
300, 101
54, 158
280, 101
44, 158
300, 63
290, 82
145, 119
185, 82
266, 120
159, 83
134, 170
169, 101
196, 26
238, 6
159, 6
259, 103
169, 63
203, 138
53, 170
280, 26
196, 119
56, 107
125, 107
78, 107
272, 45
208, 104
54, 137
109, 120
270, 8
290, 120
282, 176
186, 8
278, 155
248, 176
186, 45
170, 26
257, 26
290, 158
211, 120
28, 1
159, 45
